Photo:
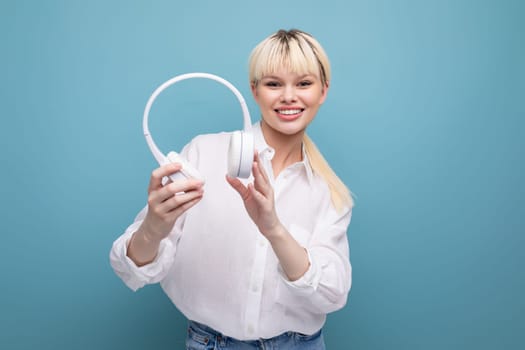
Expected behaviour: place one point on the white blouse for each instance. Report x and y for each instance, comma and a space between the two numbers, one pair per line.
219, 270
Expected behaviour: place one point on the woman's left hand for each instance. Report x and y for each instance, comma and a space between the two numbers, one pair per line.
258, 199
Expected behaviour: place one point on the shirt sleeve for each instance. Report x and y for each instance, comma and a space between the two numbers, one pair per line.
136, 277
326, 284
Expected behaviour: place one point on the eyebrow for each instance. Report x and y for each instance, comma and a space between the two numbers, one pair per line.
278, 78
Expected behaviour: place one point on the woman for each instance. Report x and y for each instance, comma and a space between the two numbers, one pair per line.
256, 261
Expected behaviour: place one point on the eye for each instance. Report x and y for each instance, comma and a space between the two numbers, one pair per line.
272, 83
305, 83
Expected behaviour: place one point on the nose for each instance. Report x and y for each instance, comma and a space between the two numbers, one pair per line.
288, 95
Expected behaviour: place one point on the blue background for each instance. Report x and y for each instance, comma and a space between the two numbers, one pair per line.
425, 122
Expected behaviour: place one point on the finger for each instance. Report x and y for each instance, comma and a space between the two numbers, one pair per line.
238, 186
158, 196
257, 160
180, 200
259, 198
182, 208
260, 182
158, 174
155, 198
183, 185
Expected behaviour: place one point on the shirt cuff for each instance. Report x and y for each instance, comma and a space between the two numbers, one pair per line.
134, 276
306, 284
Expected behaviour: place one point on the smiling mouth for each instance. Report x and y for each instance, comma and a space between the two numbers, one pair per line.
289, 112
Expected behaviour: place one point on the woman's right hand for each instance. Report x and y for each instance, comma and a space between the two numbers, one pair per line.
168, 202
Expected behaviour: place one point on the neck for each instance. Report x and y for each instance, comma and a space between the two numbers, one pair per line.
288, 148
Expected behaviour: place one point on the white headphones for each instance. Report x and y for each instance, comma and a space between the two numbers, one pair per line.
241, 148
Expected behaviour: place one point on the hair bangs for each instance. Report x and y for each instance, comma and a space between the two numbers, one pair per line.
294, 55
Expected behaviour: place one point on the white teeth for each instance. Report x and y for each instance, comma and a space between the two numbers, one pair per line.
289, 111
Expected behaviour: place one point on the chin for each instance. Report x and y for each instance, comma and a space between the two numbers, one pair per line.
286, 127
291, 129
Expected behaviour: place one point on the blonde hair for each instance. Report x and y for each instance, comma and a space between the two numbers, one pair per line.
299, 52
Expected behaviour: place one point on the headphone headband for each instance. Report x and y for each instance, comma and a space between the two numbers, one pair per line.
159, 156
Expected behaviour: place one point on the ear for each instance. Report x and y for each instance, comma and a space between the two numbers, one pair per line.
253, 88
325, 92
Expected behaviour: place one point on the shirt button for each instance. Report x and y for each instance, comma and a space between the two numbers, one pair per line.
250, 329
262, 243
255, 288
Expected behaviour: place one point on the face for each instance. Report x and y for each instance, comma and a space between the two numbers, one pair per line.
289, 101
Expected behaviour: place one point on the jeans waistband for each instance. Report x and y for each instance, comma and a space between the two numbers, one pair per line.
212, 332
207, 329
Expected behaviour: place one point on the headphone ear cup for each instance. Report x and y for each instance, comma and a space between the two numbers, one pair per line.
240, 154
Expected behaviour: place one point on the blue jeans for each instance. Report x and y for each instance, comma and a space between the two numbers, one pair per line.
201, 337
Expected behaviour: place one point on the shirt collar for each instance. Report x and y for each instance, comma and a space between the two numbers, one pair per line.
262, 147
